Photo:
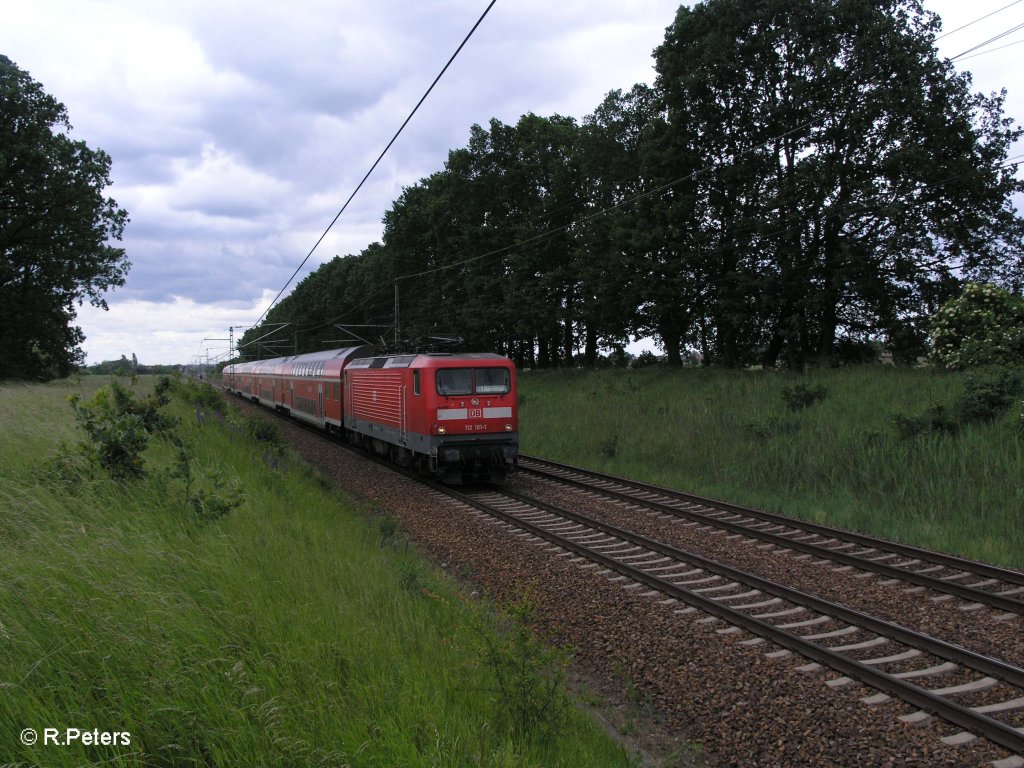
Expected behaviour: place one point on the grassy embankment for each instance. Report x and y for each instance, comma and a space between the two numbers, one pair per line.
282, 633
842, 461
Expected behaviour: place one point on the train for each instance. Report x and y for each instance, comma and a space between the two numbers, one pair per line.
450, 416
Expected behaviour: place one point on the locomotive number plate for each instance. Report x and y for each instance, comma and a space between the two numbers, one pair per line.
476, 427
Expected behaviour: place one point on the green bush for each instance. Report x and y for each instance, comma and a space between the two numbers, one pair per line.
265, 431
218, 499
119, 425
853, 352
801, 396
769, 427
645, 359
610, 447
983, 326
936, 419
211, 496
989, 393
529, 679
201, 395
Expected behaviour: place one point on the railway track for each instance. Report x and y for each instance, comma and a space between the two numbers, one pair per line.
980, 695
977, 584
932, 675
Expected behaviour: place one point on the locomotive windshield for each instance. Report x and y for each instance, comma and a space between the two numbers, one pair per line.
492, 381
455, 381
468, 381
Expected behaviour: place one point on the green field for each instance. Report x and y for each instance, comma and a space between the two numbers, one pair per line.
282, 633
841, 460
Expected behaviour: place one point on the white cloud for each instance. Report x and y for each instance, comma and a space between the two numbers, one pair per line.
217, 185
163, 333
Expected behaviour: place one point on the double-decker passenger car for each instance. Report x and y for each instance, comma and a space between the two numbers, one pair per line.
452, 416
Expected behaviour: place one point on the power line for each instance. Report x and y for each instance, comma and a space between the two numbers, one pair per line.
548, 233
992, 50
1000, 36
541, 236
972, 23
379, 158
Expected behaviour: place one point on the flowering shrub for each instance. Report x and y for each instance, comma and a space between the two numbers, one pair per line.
983, 326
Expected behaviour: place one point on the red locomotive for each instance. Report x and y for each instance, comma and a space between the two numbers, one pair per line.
452, 416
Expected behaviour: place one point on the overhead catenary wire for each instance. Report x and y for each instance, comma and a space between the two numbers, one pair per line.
539, 237
982, 18
1000, 36
990, 50
379, 158
551, 232
548, 233
963, 56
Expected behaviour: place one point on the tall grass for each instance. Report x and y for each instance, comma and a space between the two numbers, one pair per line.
282, 634
730, 435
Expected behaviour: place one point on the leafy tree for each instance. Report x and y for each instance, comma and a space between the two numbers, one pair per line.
983, 326
615, 281
55, 226
841, 173
452, 231
805, 180
430, 230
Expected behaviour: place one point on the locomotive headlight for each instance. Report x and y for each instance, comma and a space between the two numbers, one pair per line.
508, 427
441, 430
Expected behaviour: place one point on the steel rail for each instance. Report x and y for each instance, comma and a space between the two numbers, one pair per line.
991, 599
999, 733
980, 663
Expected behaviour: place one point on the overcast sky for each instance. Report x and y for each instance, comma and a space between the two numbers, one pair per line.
237, 130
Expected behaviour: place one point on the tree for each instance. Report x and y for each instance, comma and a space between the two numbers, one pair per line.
842, 172
615, 279
453, 232
55, 228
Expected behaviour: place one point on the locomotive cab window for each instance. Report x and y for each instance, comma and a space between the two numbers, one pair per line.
468, 381
416, 383
455, 381
492, 381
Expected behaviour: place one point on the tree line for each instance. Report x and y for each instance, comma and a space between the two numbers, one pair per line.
804, 177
